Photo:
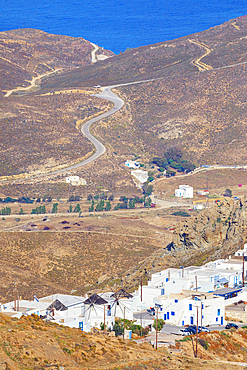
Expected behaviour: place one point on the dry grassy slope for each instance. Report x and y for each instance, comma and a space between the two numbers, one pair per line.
228, 345
203, 112
40, 132
29, 343
25, 53
162, 59
44, 263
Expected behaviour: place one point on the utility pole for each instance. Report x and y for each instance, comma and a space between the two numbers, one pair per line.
156, 334
196, 328
196, 283
243, 271
124, 323
104, 318
141, 308
201, 315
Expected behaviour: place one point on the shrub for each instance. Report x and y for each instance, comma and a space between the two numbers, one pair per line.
160, 324
203, 343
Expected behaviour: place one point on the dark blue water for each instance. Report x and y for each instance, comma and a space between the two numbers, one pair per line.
116, 25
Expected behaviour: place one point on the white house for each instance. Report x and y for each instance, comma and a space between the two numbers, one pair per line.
186, 308
75, 180
132, 164
140, 177
184, 191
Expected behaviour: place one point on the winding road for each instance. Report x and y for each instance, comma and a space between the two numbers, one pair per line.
106, 94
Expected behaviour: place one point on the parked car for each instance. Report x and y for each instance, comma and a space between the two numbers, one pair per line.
231, 325
203, 328
184, 332
192, 329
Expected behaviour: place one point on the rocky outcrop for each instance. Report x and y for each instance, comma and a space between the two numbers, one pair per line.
218, 227
216, 232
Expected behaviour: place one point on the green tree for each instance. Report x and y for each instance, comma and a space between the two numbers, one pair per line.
91, 209
77, 208
228, 193
21, 212
160, 324
148, 202
54, 208
147, 189
70, 208
108, 206
132, 203
100, 206
118, 328
111, 197
5, 211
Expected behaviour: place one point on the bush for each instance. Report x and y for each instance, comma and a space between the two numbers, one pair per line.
181, 213
203, 343
160, 324
118, 328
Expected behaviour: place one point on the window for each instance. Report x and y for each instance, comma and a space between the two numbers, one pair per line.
183, 323
217, 319
167, 279
167, 315
172, 313
190, 306
176, 300
218, 312
202, 317
202, 306
162, 291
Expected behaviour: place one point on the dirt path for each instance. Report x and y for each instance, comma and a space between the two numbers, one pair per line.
197, 62
32, 83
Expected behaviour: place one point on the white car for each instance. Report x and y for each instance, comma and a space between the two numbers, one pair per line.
184, 332
97, 86
202, 328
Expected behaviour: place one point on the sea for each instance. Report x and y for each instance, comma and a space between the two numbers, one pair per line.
116, 24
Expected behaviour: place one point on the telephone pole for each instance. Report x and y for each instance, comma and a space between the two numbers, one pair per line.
104, 318
141, 308
156, 334
243, 271
124, 323
196, 328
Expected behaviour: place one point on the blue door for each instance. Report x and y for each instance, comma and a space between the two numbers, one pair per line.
191, 320
164, 316
221, 320
167, 316
81, 325
183, 323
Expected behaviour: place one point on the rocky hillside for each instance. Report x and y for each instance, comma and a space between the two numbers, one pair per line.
222, 227
26, 53
214, 233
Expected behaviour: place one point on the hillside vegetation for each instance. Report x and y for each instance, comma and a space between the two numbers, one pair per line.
30, 343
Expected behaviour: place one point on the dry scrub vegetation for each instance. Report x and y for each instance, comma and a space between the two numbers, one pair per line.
44, 263
30, 343
40, 132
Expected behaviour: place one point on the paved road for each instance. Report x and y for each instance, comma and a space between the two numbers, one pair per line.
106, 94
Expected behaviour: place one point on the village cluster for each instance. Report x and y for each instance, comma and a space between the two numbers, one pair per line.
181, 297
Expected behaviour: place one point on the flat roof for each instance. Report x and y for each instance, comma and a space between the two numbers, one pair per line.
225, 291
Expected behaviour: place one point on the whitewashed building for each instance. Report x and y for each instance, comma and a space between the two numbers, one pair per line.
75, 180
132, 164
186, 308
184, 191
